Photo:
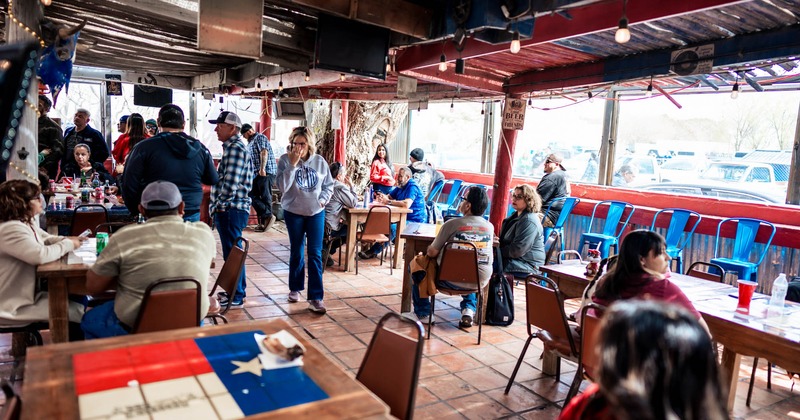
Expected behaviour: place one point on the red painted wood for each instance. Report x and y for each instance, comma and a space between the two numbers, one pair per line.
266, 116
502, 178
340, 138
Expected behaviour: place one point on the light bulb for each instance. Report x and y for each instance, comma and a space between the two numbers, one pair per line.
308, 76
442, 63
622, 35
47, 2
735, 91
591, 97
530, 101
341, 77
515, 46
649, 91
280, 86
451, 106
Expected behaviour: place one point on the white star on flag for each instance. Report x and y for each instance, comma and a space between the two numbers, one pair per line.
253, 366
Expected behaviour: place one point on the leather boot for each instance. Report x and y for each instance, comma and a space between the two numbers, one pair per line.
260, 226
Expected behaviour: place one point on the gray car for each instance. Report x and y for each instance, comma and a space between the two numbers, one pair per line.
729, 192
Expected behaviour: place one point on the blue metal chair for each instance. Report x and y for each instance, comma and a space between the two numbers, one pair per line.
675, 238
569, 204
455, 188
612, 229
743, 242
436, 189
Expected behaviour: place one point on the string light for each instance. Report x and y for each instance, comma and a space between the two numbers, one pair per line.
483, 107
308, 76
591, 97
515, 45
623, 34
280, 84
24, 172
442, 63
451, 104
47, 2
22, 25
649, 92
341, 77
735, 90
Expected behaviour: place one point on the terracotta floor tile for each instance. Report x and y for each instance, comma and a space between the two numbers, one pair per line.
518, 399
327, 329
424, 397
456, 362
351, 358
435, 346
341, 343
447, 386
548, 412
489, 354
429, 369
439, 411
358, 325
549, 388
264, 311
478, 406
484, 378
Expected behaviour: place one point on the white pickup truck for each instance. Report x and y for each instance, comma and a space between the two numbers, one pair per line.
741, 172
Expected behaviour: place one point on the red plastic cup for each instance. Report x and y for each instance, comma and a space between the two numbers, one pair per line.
746, 289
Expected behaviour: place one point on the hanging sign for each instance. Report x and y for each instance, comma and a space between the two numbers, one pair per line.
513, 114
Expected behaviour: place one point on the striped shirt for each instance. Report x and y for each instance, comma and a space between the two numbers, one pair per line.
259, 142
235, 178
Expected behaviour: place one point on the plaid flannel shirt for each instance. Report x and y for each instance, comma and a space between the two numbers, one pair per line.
258, 143
235, 178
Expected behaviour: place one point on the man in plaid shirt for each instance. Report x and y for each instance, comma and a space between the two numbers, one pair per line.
230, 203
264, 170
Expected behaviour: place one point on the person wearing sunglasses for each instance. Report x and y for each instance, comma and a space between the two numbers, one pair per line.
521, 238
554, 184
305, 181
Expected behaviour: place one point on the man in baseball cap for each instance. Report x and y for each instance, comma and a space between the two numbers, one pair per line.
161, 196
227, 117
554, 184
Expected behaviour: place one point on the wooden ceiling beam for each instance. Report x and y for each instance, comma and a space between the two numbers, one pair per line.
398, 15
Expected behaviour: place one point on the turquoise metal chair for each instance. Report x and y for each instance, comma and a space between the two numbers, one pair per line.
743, 242
452, 194
566, 210
612, 229
436, 189
675, 238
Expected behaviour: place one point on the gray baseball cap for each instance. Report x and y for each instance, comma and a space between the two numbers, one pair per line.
161, 195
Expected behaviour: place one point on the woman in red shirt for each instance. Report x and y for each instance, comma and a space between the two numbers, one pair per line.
381, 172
133, 135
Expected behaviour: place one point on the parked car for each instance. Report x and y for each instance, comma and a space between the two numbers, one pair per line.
683, 169
718, 190
649, 170
740, 172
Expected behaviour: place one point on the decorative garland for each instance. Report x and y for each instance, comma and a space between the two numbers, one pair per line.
22, 25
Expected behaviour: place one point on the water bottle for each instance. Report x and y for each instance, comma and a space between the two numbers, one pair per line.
367, 194
778, 298
95, 180
371, 193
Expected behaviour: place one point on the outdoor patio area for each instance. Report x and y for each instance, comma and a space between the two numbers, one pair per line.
458, 378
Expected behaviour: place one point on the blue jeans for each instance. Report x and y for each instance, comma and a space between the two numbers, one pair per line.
230, 224
192, 218
305, 230
378, 247
422, 307
102, 322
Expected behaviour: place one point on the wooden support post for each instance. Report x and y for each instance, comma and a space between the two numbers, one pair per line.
340, 139
265, 120
793, 192
502, 177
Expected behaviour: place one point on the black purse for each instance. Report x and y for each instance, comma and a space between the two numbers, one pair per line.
500, 295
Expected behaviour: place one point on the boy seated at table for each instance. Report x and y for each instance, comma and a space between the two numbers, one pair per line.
138, 255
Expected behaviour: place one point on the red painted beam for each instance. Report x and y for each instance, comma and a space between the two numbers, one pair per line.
502, 178
585, 20
577, 75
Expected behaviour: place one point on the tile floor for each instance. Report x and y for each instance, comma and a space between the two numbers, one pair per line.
458, 378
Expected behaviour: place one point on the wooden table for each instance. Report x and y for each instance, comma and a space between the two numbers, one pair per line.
63, 218
748, 335
358, 215
49, 388
62, 279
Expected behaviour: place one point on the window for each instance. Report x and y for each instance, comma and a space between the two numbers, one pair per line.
450, 137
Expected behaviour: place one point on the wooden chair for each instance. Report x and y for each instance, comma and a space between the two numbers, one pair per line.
169, 309
588, 357
12, 409
714, 272
376, 229
228, 279
459, 265
87, 216
390, 368
544, 306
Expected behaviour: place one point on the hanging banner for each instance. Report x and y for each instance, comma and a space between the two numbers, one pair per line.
513, 114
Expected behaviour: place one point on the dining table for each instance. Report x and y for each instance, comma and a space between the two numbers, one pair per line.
222, 371
59, 220
358, 215
752, 334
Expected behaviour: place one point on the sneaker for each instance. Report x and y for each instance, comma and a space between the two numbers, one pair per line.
466, 318
234, 303
329, 263
223, 295
293, 297
415, 317
317, 306
269, 223
259, 228
366, 255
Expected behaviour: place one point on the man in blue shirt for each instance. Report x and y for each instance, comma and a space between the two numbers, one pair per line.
406, 194
264, 170
83, 133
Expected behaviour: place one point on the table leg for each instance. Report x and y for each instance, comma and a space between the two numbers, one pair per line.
59, 312
350, 246
408, 255
730, 374
398, 240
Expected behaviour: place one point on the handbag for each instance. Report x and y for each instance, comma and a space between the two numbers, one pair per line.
500, 300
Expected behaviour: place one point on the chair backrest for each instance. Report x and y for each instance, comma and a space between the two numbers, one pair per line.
87, 216
390, 368
616, 210
566, 210
110, 228
169, 309
679, 220
551, 244
12, 409
455, 189
228, 278
379, 221
436, 189
545, 308
745, 239
709, 274
459, 263
590, 338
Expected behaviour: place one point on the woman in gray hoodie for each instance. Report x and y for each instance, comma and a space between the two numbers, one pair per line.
305, 181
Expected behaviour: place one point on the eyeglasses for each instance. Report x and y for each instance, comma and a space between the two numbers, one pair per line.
517, 196
548, 161
298, 144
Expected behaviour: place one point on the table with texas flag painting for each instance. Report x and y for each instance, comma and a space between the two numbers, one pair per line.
206, 372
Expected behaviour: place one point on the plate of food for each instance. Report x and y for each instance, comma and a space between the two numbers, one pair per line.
279, 350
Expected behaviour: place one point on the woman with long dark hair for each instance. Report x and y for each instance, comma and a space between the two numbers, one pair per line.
381, 172
656, 363
135, 133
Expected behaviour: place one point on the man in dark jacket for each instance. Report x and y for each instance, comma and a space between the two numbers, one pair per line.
83, 133
51, 139
554, 184
172, 156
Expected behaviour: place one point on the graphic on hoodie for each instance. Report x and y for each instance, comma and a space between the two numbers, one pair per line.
306, 178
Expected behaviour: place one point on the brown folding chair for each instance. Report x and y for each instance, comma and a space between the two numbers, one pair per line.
695, 271
588, 357
545, 308
390, 368
171, 308
459, 265
12, 409
377, 229
87, 216
110, 227
228, 279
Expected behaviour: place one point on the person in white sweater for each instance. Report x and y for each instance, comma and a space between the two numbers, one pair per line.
23, 246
